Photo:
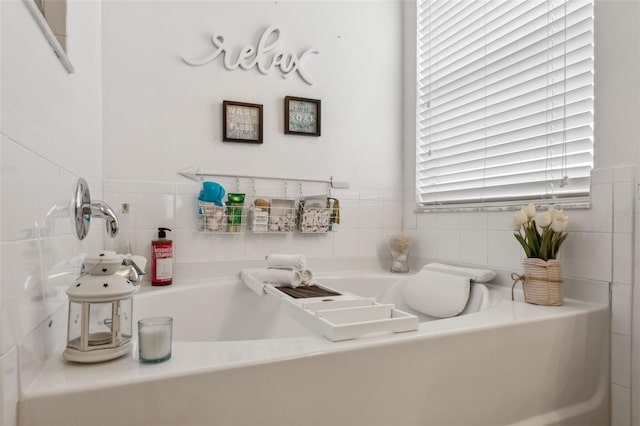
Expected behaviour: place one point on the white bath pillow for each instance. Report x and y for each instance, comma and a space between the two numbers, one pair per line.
437, 294
475, 274
479, 299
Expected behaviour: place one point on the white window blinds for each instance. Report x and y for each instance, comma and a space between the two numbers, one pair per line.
504, 101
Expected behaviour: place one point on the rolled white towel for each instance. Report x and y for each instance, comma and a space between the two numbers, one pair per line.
306, 273
298, 261
307, 276
285, 277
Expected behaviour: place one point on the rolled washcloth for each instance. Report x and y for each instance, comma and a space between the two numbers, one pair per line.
307, 276
298, 261
285, 277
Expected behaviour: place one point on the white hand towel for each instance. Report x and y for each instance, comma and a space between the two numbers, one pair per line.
437, 294
285, 277
298, 261
475, 274
307, 276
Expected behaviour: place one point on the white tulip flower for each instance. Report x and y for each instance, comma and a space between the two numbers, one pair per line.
519, 219
544, 219
560, 214
530, 210
548, 232
560, 223
552, 212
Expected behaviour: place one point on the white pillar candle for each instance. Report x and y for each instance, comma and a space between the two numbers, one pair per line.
154, 338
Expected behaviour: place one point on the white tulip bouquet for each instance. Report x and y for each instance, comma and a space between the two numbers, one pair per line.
540, 235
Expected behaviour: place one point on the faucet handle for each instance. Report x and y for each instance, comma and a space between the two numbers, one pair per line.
84, 209
134, 270
140, 261
102, 210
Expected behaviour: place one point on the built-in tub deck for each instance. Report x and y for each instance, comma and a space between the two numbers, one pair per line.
565, 340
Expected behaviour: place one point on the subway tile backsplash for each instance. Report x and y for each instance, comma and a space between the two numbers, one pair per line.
367, 218
40, 257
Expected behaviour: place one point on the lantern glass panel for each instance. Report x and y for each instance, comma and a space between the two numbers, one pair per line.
74, 330
100, 321
125, 321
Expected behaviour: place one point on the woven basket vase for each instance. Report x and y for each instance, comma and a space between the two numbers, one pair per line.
542, 282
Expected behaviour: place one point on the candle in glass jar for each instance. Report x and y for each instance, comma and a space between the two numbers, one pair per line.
154, 339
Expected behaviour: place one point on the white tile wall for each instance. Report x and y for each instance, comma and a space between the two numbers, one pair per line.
448, 242
367, 218
623, 207
620, 405
371, 242
499, 221
46, 340
191, 246
621, 312
392, 214
40, 258
622, 257
503, 250
154, 209
346, 242
227, 248
588, 255
9, 390
8, 303
598, 217
427, 221
622, 212
621, 360
349, 214
599, 247
473, 246
474, 220
410, 218
371, 213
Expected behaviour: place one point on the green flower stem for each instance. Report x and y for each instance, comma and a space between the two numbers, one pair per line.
543, 244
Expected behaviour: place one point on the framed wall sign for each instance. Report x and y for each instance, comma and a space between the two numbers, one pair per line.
241, 122
301, 116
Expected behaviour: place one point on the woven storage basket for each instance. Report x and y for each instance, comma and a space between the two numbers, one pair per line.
542, 282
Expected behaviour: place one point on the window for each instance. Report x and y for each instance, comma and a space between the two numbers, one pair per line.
504, 102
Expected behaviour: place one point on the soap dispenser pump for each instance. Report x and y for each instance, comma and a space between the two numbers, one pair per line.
162, 259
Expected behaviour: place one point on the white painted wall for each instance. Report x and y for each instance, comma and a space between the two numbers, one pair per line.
162, 116
51, 134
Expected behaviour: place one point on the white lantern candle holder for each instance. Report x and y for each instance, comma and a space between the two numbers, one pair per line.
100, 312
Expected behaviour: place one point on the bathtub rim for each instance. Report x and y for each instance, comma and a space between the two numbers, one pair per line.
60, 376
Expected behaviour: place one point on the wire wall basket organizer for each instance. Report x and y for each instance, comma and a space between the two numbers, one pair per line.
221, 219
309, 215
314, 215
273, 215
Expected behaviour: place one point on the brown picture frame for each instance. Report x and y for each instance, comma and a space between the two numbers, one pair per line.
242, 122
302, 116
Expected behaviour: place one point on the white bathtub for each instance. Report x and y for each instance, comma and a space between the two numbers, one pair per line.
238, 359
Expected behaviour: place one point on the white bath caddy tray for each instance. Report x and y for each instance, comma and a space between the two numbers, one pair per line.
345, 316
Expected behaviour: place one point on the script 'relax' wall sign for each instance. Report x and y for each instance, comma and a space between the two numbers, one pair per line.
265, 56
